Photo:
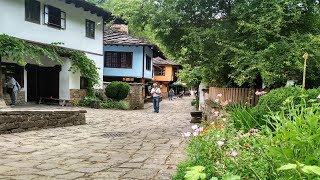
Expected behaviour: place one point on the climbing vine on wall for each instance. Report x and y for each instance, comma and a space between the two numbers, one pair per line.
18, 50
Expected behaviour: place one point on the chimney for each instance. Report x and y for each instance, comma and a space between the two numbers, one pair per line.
120, 28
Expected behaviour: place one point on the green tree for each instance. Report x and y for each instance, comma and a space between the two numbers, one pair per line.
233, 42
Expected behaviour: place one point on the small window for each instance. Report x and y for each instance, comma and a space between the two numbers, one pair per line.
148, 63
118, 59
32, 11
90, 29
160, 71
84, 83
54, 17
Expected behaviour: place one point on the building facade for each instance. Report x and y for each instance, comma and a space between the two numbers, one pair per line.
75, 24
165, 73
128, 58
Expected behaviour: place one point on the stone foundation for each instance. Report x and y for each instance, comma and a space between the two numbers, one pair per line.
20, 98
76, 95
20, 121
136, 98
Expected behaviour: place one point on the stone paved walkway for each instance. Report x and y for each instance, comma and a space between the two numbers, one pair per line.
113, 145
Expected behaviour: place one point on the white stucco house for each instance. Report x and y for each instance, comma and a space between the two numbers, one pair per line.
77, 24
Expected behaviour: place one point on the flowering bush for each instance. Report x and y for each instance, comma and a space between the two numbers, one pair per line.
223, 150
288, 147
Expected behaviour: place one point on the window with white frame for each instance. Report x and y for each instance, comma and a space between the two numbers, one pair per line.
54, 17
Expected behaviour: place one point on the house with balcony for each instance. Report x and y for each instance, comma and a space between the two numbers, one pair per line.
127, 58
76, 24
165, 73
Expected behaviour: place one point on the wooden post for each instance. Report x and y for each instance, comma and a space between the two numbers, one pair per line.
305, 57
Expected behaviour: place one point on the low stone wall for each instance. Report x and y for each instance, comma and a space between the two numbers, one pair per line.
20, 121
77, 94
20, 98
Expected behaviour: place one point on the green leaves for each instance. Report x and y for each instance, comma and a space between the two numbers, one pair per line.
287, 167
301, 168
311, 170
18, 51
195, 173
230, 177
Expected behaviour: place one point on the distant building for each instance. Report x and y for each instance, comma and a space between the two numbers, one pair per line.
165, 72
127, 58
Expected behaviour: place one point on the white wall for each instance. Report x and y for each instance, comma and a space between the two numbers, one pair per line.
201, 95
13, 23
99, 61
64, 81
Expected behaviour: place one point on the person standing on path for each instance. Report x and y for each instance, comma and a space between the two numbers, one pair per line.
156, 92
171, 93
13, 88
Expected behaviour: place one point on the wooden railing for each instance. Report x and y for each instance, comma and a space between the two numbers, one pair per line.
234, 95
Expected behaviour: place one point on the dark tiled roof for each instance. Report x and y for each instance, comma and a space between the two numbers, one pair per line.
87, 6
121, 38
160, 61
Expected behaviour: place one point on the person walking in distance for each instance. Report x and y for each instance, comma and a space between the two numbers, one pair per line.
13, 87
156, 92
171, 93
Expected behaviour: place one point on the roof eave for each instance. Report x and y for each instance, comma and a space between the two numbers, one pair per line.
87, 6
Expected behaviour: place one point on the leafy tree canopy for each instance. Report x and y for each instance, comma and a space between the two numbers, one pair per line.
232, 41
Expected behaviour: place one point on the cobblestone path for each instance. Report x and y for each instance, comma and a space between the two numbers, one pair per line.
113, 145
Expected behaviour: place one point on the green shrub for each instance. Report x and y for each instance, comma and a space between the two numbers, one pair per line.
110, 104
117, 90
273, 101
195, 102
88, 101
223, 150
295, 135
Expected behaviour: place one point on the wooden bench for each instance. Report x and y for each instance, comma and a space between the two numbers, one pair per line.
63, 101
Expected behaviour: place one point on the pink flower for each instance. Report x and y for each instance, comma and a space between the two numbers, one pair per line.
220, 143
234, 153
219, 95
216, 113
196, 133
194, 127
260, 93
187, 134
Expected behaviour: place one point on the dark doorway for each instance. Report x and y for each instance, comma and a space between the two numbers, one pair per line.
42, 82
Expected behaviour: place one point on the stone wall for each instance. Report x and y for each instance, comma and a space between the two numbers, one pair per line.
20, 98
76, 95
20, 121
135, 97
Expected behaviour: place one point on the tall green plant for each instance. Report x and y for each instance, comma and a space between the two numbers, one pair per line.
296, 134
